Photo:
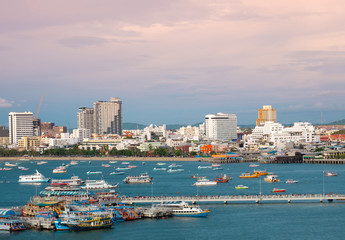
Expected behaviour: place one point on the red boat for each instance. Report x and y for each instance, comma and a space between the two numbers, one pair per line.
223, 179
277, 190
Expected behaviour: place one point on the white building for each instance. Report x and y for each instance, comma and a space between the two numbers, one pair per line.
81, 134
221, 126
108, 117
20, 125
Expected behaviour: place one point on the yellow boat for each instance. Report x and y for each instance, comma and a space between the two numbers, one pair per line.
249, 175
261, 172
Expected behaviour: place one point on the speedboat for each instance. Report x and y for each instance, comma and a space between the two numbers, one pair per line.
132, 166
241, 187
278, 190
202, 167
161, 164
331, 174
159, 169
117, 173
271, 178
291, 181
121, 168
89, 172
173, 165
175, 170
35, 178
205, 182
253, 165
106, 165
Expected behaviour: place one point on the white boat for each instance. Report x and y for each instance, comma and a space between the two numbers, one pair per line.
331, 174
35, 178
73, 181
117, 173
174, 165
205, 182
73, 163
41, 162
59, 170
291, 181
190, 211
142, 178
89, 172
215, 165
125, 163
112, 161
159, 169
98, 184
175, 170
121, 168
218, 168
7, 164
254, 165
106, 165
161, 164
202, 167
132, 166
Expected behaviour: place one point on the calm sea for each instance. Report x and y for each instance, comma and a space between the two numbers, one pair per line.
311, 220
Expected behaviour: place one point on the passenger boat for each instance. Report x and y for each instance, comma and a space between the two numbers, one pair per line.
190, 211
98, 184
204, 182
271, 178
97, 172
331, 174
223, 179
11, 225
291, 181
142, 178
238, 187
203, 167
35, 178
249, 175
159, 169
73, 181
278, 190
61, 187
175, 170
253, 165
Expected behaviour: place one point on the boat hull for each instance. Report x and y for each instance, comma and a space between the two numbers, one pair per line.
200, 214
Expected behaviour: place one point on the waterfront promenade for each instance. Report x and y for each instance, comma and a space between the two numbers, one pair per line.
235, 198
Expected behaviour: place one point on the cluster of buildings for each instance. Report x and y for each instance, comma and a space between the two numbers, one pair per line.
100, 127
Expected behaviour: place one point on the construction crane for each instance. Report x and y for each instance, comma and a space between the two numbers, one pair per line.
39, 106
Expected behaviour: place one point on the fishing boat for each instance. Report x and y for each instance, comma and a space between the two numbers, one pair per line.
291, 181
278, 190
204, 182
204, 167
73, 181
117, 173
190, 211
175, 170
89, 172
35, 178
331, 174
159, 169
98, 184
223, 179
238, 187
253, 165
142, 178
271, 178
248, 175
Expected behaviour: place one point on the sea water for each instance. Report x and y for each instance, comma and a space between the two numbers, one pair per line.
309, 220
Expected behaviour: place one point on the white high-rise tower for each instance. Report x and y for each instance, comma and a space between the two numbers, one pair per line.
221, 126
20, 125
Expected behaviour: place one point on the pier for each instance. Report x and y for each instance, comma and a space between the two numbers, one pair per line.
236, 198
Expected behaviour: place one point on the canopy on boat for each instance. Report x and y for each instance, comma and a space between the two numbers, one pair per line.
6, 213
66, 193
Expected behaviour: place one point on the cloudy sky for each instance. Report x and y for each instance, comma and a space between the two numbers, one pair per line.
173, 61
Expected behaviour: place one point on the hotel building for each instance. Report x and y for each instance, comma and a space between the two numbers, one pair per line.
221, 126
20, 125
108, 117
267, 113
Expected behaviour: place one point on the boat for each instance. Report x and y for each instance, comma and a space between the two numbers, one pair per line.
196, 176
249, 175
132, 166
41, 162
125, 163
173, 165
215, 165
175, 170
218, 168
24, 169
97, 172
106, 165
223, 179
73, 181
112, 161
190, 211
254, 165
11, 225
35, 178
203, 167
331, 174
159, 169
142, 178
7, 164
59, 170
122, 168
271, 178
161, 164
6, 169
241, 187
278, 190
73, 163
291, 181
98, 184
61, 187
261, 172
204, 182
117, 173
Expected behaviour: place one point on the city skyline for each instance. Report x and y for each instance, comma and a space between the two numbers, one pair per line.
173, 62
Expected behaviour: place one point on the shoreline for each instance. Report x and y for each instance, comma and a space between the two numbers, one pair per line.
138, 159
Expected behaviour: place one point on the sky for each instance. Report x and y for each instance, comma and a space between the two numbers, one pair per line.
173, 61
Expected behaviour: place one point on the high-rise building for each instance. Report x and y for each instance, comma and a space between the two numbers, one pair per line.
221, 126
108, 117
20, 125
267, 113
86, 118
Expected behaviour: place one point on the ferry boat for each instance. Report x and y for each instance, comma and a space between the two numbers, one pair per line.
238, 187
291, 181
142, 178
11, 225
278, 190
98, 184
35, 178
223, 179
175, 170
249, 175
89, 172
271, 178
331, 174
203, 167
159, 169
190, 211
73, 181
204, 182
